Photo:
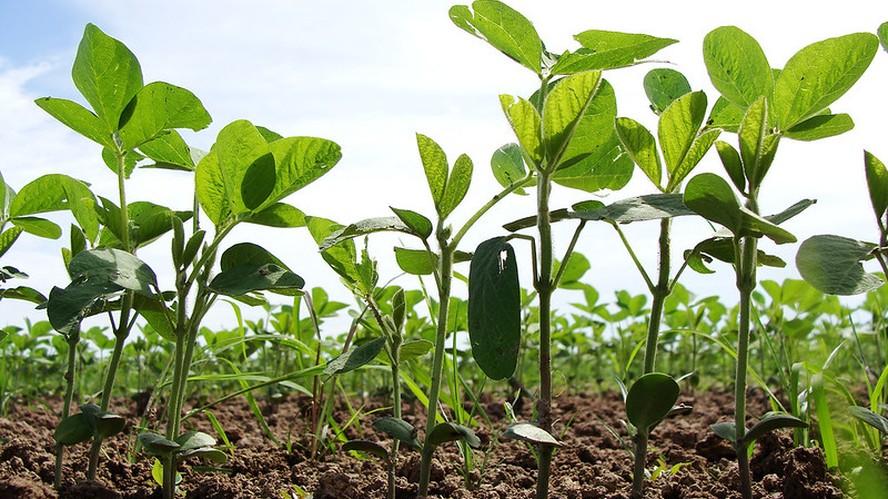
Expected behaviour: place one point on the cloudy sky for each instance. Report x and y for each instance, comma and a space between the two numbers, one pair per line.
369, 75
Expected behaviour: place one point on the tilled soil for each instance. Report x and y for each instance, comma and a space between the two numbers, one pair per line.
593, 463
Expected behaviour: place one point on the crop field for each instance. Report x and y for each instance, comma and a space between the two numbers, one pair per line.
491, 370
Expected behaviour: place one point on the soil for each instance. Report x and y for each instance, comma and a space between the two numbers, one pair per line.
593, 463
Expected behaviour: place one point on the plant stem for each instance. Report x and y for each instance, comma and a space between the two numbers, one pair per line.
640, 465
445, 267
396, 412
73, 340
745, 284
544, 291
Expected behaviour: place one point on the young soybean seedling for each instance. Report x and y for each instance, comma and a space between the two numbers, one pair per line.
131, 121
448, 187
566, 136
763, 105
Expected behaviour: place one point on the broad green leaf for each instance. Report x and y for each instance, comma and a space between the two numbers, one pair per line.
699, 147
169, 151
527, 432
678, 127
73, 429
416, 222
564, 109
414, 349
246, 254
66, 307
194, 440
504, 28
355, 357
280, 215
883, 35
157, 445
754, 146
526, 123
258, 181
114, 267
457, 184
662, 86
77, 118
711, 197
434, 162
206, 454
250, 278
725, 430
23, 293
210, 186
637, 209
494, 313
363, 228
608, 50
821, 127
56, 192
416, 262
876, 182
871, 418
159, 106
737, 65
574, 269
770, 422
107, 74
148, 221
366, 447
398, 429
340, 256
449, 432
8, 238
650, 399
832, 264
732, 163
39, 227
300, 161
107, 424
507, 164
819, 74
640, 145
791, 211
722, 249
725, 115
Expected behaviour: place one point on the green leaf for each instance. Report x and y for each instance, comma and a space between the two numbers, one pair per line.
159, 106
821, 127
398, 429
564, 109
73, 430
247, 268
366, 447
450, 432
737, 65
148, 221
356, 356
819, 74
770, 422
457, 185
876, 182
662, 86
725, 430
258, 181
416, 222
507, 164
56, 192
194, 440
639, 143
495, 308
678, 127
722, 249
107, 424
363, 228
869, 417
8, 238
725, 115
730, 159
638, 209
77, 118
504, 28
790, 212
434, 162
107, 266
711, 197
39, 227
206, 454
883, 35
416, 262
650, 399
832, 264
574, 269
414, 349
699, 147
609, 50
157, 445
280, 215
526, 123
107, 74
169, 151
527, 432
300, 161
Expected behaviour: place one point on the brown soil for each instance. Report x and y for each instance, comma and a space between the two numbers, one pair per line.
593, 463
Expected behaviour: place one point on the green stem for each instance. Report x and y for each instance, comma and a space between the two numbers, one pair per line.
396, 412
544, 291
73, 340
445, 267
640, 465
745, 284
106, 400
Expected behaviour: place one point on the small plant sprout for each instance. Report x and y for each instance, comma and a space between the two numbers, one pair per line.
763, 105
566, 135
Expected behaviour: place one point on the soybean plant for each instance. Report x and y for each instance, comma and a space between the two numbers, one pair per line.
131, 121
763, 105
448, 187
566, 136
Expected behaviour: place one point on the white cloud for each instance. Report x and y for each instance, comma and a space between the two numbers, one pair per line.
370, 74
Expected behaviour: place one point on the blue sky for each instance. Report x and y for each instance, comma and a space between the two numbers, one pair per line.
369, 75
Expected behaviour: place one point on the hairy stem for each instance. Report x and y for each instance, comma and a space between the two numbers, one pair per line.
746, 278
544, 291
73, 340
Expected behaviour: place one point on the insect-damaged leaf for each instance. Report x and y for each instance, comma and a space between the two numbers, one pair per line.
530, 433
504, 28
355, 357
832, 264
507, 164
495, 308
650, 399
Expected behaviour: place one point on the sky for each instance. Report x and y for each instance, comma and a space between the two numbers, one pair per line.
369, 75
